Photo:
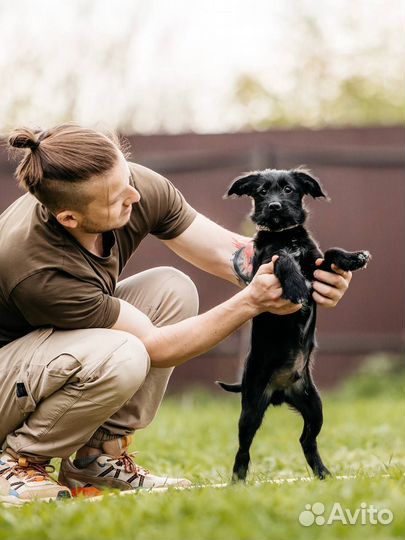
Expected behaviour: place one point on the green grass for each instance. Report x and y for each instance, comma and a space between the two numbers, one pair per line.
195, 436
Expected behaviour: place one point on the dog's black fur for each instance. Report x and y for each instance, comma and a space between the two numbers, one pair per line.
277, 369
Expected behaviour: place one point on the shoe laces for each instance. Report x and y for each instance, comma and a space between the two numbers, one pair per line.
32, 472
127, 461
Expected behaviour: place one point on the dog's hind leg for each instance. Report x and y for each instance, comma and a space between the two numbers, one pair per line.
253, 409
305, 398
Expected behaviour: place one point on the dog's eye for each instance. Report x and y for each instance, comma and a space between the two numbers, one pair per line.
263, 191
288, 189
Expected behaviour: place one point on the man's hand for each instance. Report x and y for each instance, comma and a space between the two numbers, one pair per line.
330, 287
265, 292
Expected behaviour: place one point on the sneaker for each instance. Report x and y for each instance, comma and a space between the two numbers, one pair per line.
22, 481
112, 471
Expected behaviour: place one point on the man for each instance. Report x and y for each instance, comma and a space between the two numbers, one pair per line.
85, 360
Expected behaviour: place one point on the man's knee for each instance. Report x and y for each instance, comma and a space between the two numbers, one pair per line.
125, 370
180, 288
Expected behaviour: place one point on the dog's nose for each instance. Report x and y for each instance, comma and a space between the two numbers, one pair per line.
275, 206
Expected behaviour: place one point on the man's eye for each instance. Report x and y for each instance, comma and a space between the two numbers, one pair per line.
288, 189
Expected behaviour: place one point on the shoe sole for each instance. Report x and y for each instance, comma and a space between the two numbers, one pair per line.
10, 500
74, 481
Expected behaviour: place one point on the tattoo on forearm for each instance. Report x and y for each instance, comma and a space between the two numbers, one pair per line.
242, 261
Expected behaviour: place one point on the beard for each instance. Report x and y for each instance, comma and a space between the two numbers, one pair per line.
93, 227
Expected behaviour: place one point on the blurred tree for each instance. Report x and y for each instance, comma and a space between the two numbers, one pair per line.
357, 100
149, 67
330, 83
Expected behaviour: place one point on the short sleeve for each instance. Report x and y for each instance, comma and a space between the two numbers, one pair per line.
172, 214
51, 298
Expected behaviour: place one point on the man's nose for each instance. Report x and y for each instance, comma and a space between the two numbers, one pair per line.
135, 195
275, 206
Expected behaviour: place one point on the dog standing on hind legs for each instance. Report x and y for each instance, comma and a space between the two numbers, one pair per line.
278, 366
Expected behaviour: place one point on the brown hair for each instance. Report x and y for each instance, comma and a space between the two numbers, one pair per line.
57, 162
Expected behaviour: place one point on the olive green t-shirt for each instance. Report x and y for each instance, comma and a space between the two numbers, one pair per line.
48, 279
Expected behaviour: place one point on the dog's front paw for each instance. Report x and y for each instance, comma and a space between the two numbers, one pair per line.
346, 260
362, 259
296, 290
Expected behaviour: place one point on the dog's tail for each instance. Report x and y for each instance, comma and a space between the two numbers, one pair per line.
236, 387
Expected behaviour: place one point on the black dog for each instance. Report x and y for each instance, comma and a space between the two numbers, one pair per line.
277, 369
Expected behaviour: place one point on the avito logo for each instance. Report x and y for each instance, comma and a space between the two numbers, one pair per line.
366, 514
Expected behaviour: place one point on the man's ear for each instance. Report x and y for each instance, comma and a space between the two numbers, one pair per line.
310, 183
243, 185
68, 219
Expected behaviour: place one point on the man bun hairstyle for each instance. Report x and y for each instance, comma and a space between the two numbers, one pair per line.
57, 163
29, 173
24, 138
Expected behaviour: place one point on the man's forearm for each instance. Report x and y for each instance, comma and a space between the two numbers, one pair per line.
210, 247
174, 344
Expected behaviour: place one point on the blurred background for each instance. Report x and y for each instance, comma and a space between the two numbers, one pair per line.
206, 90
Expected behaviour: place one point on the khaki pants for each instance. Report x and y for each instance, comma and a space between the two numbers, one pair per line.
60, 389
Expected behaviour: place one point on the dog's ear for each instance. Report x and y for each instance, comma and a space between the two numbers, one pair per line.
309, 182
243, 185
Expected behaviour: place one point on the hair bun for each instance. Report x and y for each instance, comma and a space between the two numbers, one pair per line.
24, 138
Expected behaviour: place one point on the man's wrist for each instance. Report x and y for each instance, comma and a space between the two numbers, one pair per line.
247, 304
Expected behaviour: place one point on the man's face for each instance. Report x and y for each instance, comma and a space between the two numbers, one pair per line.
112, 198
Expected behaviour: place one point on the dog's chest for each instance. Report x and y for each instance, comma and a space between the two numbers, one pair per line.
298, 246
293, 247
294, 250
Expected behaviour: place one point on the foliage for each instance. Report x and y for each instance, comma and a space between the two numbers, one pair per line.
326, 75
149, 67
355, 101
379, 376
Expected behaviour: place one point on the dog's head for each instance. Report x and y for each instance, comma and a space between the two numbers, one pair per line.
277, 196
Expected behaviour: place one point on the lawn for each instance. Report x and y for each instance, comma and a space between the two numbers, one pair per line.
195, 436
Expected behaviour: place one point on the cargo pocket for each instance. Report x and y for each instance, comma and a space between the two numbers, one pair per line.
74, 357
30, 375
